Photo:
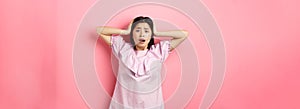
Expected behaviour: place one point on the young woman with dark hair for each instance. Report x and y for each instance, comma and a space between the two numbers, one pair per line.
140, 62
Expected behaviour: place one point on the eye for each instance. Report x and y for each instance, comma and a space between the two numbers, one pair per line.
137, 30
146, 31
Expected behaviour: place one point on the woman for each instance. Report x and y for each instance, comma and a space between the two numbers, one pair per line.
140, 62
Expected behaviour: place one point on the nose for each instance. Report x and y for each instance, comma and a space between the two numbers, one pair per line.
142, 34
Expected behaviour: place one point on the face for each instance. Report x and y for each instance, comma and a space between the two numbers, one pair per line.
141, 35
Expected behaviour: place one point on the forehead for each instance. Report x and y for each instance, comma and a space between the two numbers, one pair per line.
142, 25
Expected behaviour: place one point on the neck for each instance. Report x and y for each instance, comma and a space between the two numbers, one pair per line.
141, 48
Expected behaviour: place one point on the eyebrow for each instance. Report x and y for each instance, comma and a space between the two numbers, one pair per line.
140, 28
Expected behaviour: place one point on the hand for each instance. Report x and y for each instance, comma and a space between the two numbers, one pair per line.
127, 32
154, 30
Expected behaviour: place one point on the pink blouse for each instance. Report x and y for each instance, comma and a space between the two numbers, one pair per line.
139, 81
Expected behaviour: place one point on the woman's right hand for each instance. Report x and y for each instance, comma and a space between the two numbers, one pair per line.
127, 31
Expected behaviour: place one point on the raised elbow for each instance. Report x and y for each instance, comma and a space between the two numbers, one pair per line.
186, 34
99, 30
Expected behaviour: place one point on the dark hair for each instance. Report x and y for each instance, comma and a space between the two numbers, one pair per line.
138, 20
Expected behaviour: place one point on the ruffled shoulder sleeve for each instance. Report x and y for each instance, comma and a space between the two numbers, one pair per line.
161, 49
117, 43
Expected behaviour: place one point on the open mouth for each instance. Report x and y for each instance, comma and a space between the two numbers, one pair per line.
142, 40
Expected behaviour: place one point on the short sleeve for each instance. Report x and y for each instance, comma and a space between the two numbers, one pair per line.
117, 43
162, 49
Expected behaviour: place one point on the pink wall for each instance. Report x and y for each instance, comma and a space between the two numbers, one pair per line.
262, 53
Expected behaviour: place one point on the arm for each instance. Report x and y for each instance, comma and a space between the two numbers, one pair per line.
178, 36
106, 32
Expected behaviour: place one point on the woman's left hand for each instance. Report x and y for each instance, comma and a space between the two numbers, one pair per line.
154, 30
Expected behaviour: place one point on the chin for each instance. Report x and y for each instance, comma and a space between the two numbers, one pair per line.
141, 46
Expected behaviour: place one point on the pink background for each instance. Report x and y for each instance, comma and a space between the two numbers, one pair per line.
261, 40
